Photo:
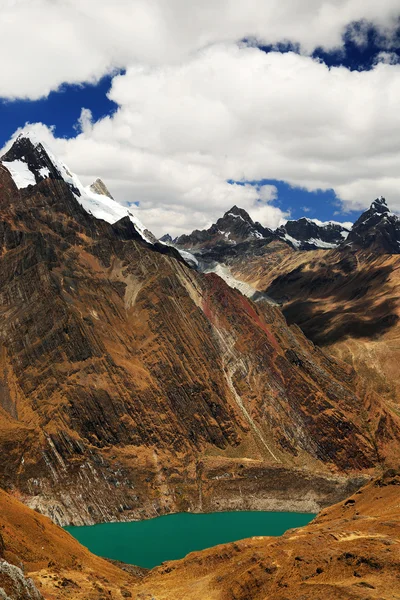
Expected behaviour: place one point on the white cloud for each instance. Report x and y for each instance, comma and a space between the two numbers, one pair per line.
45, 43
235, 113
197, 108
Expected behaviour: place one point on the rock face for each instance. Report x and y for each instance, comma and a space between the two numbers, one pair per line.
15, 586
377, 229
351, 550
307, 234
129, 382
99, 187
167, 239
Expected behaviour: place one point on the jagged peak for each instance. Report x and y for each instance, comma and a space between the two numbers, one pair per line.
30, 161
236, 212
377, 228
379, 205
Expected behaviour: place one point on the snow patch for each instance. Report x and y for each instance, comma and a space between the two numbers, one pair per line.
44, 172
20, 173
320, 243
346, 225
291, 239
188, 257
235, 216
246, 289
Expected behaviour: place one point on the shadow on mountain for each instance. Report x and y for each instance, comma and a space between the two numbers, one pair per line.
335, 300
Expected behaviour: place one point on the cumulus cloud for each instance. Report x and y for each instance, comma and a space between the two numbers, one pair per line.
233, 113
201, 113
45, 43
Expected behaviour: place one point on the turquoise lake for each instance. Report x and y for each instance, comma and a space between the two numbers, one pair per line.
149, 543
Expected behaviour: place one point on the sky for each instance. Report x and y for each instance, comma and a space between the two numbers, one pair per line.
185, 108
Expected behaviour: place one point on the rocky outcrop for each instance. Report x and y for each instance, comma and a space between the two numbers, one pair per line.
15, 586
123, 371
99, 187
167, 239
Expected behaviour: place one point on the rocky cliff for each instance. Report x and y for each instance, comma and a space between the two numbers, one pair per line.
131, 385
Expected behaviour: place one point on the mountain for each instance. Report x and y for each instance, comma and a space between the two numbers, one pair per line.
237, 227
377, 229
345, 299
100, 188
167, 239
350, 551
132, 385
310, 234
30, 161
235, 238
234, 227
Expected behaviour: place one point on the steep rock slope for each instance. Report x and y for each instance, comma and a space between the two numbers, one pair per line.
130, 385
350, 551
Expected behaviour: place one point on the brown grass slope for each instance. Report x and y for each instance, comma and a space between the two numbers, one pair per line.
60, 566
350, 551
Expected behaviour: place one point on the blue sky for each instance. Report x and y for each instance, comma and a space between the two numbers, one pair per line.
155, 142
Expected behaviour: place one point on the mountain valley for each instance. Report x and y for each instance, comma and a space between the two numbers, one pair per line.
136, 381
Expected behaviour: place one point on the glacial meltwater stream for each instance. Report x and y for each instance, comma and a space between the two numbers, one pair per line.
149, 543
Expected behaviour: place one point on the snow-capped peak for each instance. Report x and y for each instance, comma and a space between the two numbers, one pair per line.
30, 160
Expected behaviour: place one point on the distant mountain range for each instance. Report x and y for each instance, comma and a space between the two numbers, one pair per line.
377, 228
